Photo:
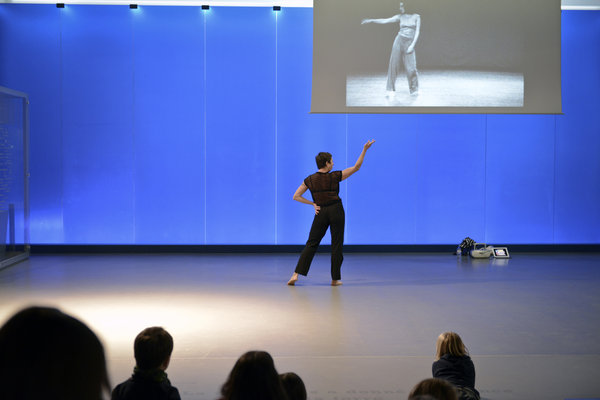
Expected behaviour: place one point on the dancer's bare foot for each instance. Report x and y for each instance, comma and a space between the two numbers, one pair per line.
293, 279
336, 283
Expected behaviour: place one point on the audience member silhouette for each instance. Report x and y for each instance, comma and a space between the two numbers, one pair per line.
422, 397
294, 386
253, 377
436, 388
452, 363
47, 354
152, 351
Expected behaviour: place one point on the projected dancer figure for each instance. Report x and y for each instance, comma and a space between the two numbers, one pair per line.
403, 49
324, 187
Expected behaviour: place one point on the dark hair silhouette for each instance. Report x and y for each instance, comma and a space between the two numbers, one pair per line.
152, 347
293, 385
422, 397
322, 159
437, 388
46, 354
253, 377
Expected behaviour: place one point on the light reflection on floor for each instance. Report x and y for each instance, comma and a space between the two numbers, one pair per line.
531, 322
439, 88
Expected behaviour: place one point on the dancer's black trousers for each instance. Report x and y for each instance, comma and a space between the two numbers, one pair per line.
332, 217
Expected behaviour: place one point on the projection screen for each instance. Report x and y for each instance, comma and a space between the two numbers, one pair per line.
436, 56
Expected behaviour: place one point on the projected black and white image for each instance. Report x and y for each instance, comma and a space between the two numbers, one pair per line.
445, 83
436, 56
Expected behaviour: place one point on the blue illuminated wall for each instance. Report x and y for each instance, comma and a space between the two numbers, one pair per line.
170, 125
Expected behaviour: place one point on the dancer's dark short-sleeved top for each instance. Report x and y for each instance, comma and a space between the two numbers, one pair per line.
324, 187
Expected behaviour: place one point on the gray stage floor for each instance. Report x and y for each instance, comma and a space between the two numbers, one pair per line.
438, 88
531, 322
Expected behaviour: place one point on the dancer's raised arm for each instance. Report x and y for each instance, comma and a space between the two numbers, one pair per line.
349, 171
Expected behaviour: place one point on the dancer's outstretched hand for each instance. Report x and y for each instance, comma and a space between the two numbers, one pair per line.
368, 144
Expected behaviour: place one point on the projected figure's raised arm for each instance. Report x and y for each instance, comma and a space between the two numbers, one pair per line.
395, 18
411, 48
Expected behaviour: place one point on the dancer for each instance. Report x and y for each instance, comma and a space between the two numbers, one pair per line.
329, 213
403, 49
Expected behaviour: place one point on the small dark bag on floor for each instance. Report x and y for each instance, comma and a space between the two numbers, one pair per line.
466, 246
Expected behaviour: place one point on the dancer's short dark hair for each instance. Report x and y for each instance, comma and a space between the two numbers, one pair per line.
152, 347
322, 159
